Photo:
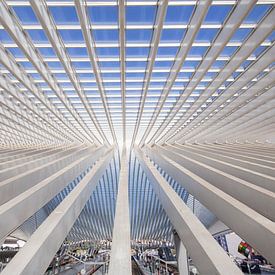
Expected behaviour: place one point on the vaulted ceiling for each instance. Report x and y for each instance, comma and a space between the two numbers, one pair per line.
135, 72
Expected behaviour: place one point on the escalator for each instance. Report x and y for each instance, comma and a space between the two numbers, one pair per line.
135, 268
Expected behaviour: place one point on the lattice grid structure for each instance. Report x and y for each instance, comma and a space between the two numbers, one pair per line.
171, 76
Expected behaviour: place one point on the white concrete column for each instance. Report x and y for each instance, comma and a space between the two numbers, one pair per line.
253, 227
208, 256
14, 212
27, 165
256, 197
257, 178
182, 257
36, 255
236, 155
24, 159
16, 185
232, 160
120, 262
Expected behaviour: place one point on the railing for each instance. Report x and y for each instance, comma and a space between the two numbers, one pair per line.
157, 266
90, 267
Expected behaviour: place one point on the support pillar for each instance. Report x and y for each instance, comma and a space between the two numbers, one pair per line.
21, 182
256, 197
36, 255
182, 257
208, 256
257, 230
120, 262
17, 210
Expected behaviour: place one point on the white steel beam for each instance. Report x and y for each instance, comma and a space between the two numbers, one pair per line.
33, 163
13, 92
250, 121
247, 102
262, 154
257, 178
14, 212
36, 255
42, 13
8, 61
35, 155
120, 261
194, 26
26, 131
131, 45
15, 119
233, 23
246, 49
80, 6
19, 183
14, 107
132, 3
14, 154
266, 132
208, 256
239, 156
253, 147
258, 198
121, 15
257, 230
228, 94
174, 26
19, 151
260, 168
12, 26
236, 106
243, 152
160, 18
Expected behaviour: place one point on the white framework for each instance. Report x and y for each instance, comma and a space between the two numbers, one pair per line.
191, 92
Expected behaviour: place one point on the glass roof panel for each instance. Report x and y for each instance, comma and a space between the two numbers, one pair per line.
16, 52
71, 35
228, 51
103, 15
259, 51
217, 14
173, 35
138, 35
47, 52
107, 52
140, 14
206, 35
105, 35
137, 51
167, 51
77, 52
64, 15
178, 14
55, 65
240, 35
5, 37
26, 65
256, 14
197, 51
38, 36
26, 15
